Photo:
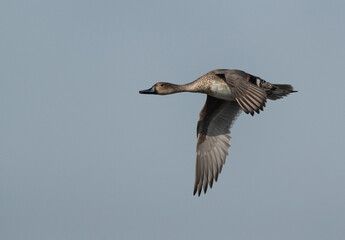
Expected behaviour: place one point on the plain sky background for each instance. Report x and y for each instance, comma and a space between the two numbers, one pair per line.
84, 156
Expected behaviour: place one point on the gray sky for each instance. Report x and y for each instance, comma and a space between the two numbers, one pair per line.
84, 156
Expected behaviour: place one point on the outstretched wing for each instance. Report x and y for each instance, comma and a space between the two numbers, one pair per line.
213, 142
248, 95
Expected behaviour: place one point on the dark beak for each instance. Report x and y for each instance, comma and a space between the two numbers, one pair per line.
149, 91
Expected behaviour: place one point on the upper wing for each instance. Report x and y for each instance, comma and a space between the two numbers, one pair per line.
213, 143
249, 96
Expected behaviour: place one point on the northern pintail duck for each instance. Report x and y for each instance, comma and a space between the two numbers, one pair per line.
228, 92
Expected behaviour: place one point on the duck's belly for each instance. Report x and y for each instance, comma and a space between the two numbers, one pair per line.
221, 91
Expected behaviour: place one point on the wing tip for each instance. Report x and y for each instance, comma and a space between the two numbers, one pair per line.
202, 187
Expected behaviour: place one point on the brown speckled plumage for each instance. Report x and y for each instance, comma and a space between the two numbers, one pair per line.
228, 92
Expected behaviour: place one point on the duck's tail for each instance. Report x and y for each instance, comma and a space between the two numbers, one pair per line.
278, 91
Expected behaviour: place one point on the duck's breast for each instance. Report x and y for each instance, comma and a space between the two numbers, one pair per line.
221, 90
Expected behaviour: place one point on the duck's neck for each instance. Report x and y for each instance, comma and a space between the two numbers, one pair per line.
190, 87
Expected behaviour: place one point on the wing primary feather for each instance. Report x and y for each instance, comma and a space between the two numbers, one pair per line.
211, 182
254, 106
256, 101
242, 106
247, 107
250, 105
199, 189
257, 90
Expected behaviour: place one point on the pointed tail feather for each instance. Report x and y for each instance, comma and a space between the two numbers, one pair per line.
279, 91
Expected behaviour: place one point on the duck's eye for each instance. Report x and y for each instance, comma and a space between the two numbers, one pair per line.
162, 84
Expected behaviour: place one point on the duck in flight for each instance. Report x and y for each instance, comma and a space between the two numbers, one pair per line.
228, 93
